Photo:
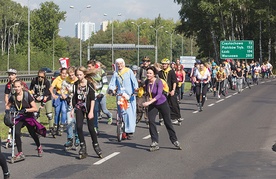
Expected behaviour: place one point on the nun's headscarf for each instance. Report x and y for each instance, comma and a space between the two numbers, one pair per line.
119, 60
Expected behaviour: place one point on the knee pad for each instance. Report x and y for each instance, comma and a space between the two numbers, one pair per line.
36, 115
49, 116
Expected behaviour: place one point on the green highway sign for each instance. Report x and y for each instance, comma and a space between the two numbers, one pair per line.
237, 49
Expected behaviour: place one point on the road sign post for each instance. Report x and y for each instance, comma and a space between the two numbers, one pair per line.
237, 49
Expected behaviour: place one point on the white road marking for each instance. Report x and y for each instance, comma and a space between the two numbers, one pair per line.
147, 137
235, 93
211, 104
195, 112
106, 158
220, 100
262, 82
229, 96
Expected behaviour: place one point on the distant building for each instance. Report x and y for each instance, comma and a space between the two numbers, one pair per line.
87, 29
104, 25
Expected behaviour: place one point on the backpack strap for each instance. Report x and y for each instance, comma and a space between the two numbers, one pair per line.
26, 97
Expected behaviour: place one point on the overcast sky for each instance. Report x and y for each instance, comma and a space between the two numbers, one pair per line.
130, 9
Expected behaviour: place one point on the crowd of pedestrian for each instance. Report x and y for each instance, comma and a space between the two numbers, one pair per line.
144, 91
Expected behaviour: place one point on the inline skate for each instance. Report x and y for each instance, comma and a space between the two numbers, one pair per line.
69, 144
154, 147
98, 150
82, 151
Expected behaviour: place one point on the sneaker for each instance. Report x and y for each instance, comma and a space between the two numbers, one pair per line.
175, 121
180, 119
177, 145
96, 130
39, 151
161, 122
129, 136
218, 96
109, 121
124, 136
19, 156
7, 175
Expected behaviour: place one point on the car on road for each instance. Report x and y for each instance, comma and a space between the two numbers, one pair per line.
47, 70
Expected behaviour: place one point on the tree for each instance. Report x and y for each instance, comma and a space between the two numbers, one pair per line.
44, 23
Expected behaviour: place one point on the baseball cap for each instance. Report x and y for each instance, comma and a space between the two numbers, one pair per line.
134, 67
11, 70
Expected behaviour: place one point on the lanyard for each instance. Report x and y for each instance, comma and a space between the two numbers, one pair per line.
150, 89
18, 108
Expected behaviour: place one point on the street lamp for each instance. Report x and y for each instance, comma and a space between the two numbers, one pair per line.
182, 40
29, 41
8, 63
87, 7
54, 47
112, 38
156, 44
138, 26
171, 42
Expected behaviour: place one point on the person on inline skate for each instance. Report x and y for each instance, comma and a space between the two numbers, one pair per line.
201, 77
123, 81
180, 76
221, 76
9, 91
101, 85
59, 102
83, 102
168, 75
24, 103
39, 88
68, 84
157, 102
141, 98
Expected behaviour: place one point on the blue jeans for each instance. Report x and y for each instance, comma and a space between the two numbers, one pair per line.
61, 112
100, 104
71, 125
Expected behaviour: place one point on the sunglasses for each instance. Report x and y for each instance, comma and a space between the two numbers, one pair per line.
41, 77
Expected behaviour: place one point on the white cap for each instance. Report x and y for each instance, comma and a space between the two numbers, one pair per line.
11, 71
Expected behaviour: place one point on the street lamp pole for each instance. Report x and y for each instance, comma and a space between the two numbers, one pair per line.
8, 63
54, 47
80, 28
182, 42
112, 38
138, 44
156, 41
29, 41
171, 42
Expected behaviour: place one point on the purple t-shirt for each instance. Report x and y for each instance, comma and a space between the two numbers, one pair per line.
155, 90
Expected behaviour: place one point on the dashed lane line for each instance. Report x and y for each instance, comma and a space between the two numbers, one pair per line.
220, 100
195, 112
147, 137
229, 96
235, 93
106, 158
211, 104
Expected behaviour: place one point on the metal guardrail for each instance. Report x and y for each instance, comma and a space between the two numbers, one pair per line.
5, 79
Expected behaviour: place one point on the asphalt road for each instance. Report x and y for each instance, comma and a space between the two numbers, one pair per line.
230, 138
